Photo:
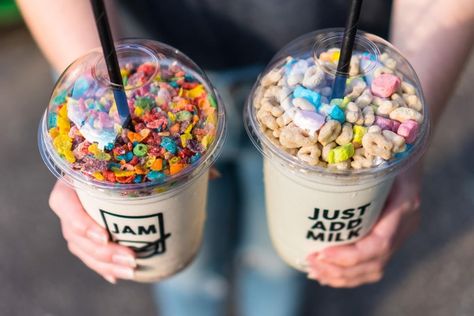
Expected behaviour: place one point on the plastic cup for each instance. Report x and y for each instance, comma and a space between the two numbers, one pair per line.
310, 208
161, 219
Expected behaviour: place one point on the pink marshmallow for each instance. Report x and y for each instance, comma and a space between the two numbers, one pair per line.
396, 125
385, 85
409, 130
383, 122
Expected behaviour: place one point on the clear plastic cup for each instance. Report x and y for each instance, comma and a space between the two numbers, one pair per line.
311, 207
152, 200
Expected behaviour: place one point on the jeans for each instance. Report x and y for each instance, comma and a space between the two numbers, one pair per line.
236, 243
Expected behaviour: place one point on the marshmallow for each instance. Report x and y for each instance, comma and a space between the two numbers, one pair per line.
385, 85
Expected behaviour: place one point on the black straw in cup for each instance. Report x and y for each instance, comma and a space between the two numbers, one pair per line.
110, 56
347, 46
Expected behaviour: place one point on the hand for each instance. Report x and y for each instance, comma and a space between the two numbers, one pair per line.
89, 241
364, 261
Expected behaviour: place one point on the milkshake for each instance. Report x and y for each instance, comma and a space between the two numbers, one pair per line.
329, 163
145, 182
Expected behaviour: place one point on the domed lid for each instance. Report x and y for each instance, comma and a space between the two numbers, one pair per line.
177, 119
296, 115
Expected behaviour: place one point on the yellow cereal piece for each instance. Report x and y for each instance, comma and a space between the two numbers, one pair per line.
124, 173
335, 56
172, 116
180, 92
195, 92
98, 175
174, 160
149, 162
93, 148
63, 124
102, 156
69, 155
188, 129
205, 141
359, 132
63, 111
138, 111
184, 139
124, 72
98, 153
62, 143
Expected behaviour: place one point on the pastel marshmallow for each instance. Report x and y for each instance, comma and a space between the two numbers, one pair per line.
309, 120
409, 130
396, 125
336, 113
341, 153
384, 123
311, 96
359, 132
385, 85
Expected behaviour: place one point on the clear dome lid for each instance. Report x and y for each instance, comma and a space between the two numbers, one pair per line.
378, 123
176, 128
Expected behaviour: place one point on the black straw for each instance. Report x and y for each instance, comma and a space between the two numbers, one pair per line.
347, 46
110, 56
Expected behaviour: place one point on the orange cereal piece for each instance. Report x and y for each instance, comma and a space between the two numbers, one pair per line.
157, 165
174, 128
175, 168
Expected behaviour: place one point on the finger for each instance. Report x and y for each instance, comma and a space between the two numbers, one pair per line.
65, 203
324, 270
368, 248
111, 252
106, 270
110, 278
354, 282
214, 174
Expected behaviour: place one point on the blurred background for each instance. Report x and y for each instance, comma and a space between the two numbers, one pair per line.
432, 275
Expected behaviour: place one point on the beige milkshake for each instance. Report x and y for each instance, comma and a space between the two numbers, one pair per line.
329, 163
145, 183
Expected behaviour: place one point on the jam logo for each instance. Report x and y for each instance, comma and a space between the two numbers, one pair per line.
144, 234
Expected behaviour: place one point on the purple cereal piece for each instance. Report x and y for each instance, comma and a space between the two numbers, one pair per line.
384, 123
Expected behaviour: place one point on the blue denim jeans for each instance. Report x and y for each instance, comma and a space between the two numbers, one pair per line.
236, 248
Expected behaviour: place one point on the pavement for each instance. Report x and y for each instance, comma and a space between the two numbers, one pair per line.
432, 275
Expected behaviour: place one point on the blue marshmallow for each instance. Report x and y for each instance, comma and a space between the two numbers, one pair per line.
336, 113
311, 96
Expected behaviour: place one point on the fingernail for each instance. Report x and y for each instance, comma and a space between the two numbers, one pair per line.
214, 174
110, 279
98, 237
124, 273
124, 259
313, 275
